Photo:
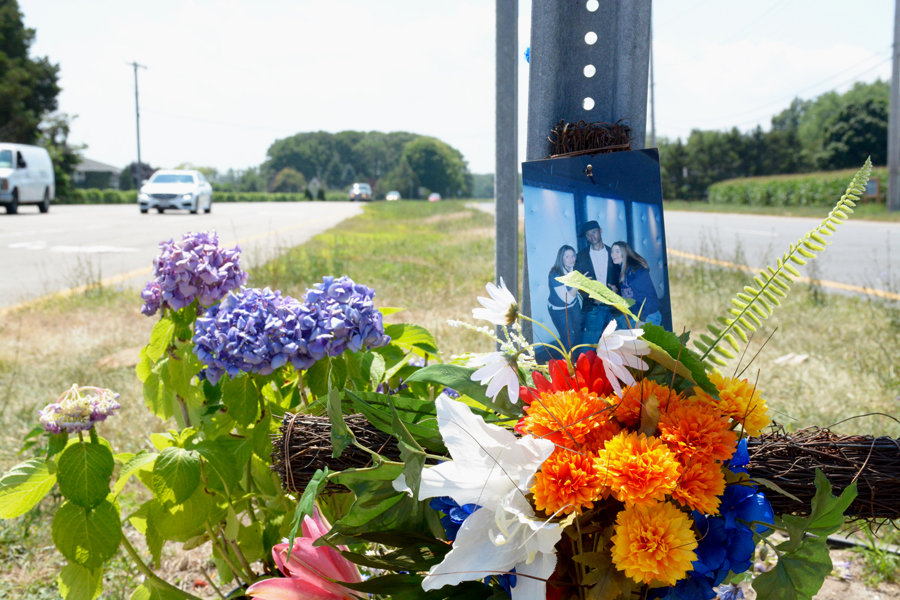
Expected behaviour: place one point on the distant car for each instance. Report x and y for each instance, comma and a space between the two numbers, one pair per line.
26, 177
179, 189
360, 192
392, 196
434, 197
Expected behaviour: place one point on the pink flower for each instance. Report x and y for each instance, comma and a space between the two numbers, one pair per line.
306, 572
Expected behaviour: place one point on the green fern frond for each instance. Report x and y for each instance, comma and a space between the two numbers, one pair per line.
755, 303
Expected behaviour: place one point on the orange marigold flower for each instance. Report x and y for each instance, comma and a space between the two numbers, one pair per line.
638, 469
696, 433
700, 485
564, 416
741, 401
654, 543
642, 396
567, 482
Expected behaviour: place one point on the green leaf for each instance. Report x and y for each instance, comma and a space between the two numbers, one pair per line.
380, 417
143, 460
385, 311
79, 583
421, 555
374, 491
241, 398
410, 452
827, 513
372, 367
341, 436
221, 465
182, 369
25, 485
149, 590
317, 376
797, 575
413, 338
160, 338
87, 537
144, 366
306, 504
409, 587
58, 443
596, 290
157, 397
250, 541
460, 379
176, 474
84, 473
180, 522
677, 350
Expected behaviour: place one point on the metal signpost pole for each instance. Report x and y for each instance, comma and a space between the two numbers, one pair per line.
893, 187
506, 170
589, 60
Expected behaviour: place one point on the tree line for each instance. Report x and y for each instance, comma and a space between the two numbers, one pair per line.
832, 131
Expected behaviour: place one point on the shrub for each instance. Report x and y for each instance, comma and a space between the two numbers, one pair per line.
808, 189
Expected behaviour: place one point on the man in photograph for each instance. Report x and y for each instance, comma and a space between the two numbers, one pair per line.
595, 262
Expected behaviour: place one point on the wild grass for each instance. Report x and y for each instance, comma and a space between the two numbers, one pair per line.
432, 259
866, 212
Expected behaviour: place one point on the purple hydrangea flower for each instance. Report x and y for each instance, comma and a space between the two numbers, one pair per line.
253, 331
78, 409
345, 318
195, 268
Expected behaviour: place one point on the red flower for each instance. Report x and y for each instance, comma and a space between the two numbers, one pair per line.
589, 373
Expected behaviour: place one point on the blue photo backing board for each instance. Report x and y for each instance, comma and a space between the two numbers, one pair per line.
623, 194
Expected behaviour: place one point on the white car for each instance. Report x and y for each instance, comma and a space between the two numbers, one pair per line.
26, 177
180, 189
392, 196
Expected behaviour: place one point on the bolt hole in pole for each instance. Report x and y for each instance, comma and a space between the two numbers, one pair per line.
590, 70
590, 38
587, 104
592, 5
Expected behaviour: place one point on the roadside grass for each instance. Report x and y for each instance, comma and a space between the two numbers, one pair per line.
432, 259
866, 212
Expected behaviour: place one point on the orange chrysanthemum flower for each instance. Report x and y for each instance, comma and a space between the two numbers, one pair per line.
700, 485
696, 433
654, 543
566, 417
638, 469
567, 482
645, 395
740, 401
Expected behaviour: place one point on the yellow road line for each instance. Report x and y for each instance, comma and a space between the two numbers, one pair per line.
823, 282
114, 279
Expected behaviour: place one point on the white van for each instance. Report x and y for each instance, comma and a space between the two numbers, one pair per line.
26, 177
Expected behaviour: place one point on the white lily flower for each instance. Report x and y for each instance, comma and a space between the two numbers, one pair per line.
501, 308
493, 468
619, 349
498, 370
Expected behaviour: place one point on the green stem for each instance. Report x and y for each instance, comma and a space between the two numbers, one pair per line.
143, 568
184, 411
561, 345
223, 550
250, 490
243, 560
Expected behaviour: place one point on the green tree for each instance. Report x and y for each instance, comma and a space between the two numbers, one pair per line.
28, 86
438, 167
403, 179
288, 181
127, 179
65, 156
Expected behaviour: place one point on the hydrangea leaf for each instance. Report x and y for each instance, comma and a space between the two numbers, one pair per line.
798, 575
58, 443
317, 375
142, 460
158, 397
84, 473
79, 583
144, 366
25, 485
87, 537
160, 338
151, 591
176, 474
250, 541
221, 466
413, 337
241, 398
596, 290
182, 369
180, 522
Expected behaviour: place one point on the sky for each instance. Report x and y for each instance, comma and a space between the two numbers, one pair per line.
226, 78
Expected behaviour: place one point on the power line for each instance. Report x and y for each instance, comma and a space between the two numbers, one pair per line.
753, 22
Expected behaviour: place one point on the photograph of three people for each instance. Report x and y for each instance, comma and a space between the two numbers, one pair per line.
602, 216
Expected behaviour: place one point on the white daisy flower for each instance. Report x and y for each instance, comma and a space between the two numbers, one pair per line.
619, 349
500, 309
498, 370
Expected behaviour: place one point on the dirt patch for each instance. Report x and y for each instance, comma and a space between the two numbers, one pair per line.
440, 218
128, 357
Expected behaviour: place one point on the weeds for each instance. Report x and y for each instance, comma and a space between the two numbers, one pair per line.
880, 562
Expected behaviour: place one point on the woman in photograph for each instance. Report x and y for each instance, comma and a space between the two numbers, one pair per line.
635, 283
564, 303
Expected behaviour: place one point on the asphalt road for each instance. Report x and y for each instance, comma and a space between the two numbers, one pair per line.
73, 246
864, 256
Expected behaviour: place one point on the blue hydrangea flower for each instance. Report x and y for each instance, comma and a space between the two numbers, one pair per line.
455, 514
344, 317
451, 393
253, 331
195, 268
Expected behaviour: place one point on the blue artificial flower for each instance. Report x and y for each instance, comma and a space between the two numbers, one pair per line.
195, 268
528, 54
740, 459
507, 581
254, 331
455, 514
744, 503
730, 591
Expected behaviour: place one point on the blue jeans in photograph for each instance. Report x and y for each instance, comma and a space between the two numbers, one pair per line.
593, 323
568, 325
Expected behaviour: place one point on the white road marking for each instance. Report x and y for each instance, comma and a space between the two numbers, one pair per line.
38, 245
91, 249
751, 232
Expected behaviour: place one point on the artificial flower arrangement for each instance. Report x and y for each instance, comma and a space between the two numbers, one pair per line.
619, 473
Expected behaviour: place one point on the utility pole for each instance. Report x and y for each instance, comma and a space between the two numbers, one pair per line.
652, 143
893, 188
137, 119
506, 165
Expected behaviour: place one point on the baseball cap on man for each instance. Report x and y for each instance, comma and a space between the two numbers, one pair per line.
587, 227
